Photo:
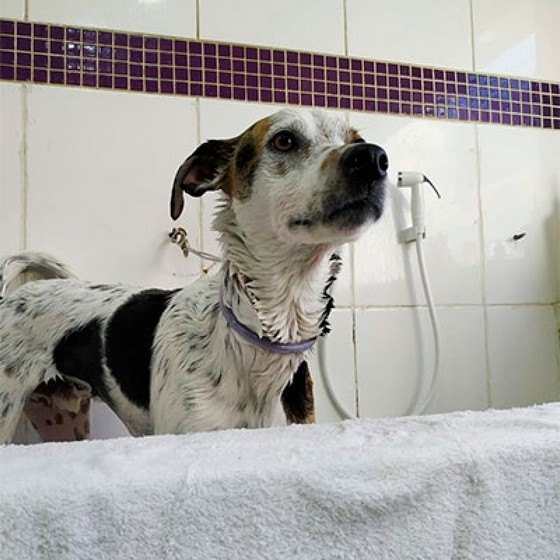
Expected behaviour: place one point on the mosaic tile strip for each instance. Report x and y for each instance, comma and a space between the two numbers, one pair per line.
95, 58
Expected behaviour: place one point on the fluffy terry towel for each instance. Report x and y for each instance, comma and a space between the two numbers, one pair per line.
481, 486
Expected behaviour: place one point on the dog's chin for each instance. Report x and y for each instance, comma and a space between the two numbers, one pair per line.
354, 215
343, 221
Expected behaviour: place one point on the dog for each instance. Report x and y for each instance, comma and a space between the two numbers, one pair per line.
229, 350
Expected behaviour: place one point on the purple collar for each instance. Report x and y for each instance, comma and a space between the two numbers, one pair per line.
263, 343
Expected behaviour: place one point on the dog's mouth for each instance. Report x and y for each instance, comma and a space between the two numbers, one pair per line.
346, 213
353, 209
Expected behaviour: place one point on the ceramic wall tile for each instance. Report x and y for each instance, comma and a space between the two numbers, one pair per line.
523, 355
12, 9
520, 189
311, 26
519, 38
395, 360
11, 167
338, 350
434, 32
386, 270
167, 17
25, 433
104, 423
100, 181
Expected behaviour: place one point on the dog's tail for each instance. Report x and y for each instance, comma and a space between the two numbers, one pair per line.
29, 266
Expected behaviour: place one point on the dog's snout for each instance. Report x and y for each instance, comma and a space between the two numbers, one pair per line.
365, 162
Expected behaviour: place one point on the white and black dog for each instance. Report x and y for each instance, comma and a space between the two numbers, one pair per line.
229, 350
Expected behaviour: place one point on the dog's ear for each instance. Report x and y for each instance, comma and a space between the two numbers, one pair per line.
200, 172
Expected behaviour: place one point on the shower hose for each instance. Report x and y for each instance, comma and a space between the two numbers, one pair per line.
421, 400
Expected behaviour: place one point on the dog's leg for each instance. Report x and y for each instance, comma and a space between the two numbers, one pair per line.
297, 398
13, 396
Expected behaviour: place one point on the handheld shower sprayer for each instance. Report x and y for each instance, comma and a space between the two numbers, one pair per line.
415, 181
417, 234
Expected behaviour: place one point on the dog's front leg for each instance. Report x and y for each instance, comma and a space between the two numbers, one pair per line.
13, 395
297, 398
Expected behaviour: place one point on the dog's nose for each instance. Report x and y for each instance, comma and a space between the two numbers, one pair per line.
365, 162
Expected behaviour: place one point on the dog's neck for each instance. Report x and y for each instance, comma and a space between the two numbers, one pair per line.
278, 292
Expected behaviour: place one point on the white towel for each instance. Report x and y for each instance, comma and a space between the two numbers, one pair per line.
478, 486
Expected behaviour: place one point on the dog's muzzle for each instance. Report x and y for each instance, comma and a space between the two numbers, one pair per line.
364, 168
357, 196
364, 163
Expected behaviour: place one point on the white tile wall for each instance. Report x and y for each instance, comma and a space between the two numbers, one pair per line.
309, 26
100, 165
12, 9
520, 189
395, 352
11, 166
165, 17
100, 180
432, 32
519, 38
386, 270
105, 423
523, 355
340, 368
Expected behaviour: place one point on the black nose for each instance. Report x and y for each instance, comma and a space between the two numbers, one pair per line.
365, 162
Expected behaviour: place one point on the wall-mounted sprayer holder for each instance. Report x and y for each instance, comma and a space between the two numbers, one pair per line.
415, 182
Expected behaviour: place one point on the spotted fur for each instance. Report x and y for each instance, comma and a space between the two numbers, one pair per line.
295, 186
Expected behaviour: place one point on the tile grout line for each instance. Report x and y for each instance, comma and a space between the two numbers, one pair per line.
351, 253
472, 36
24, 181
197, 28
405, 307
23, 153
484, 302
481, 232
201, 203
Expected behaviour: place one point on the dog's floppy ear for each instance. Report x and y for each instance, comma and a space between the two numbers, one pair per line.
198, 173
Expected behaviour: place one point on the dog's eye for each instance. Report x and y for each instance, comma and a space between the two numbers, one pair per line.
284, 141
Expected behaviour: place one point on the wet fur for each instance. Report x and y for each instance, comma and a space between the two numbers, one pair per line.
166, 361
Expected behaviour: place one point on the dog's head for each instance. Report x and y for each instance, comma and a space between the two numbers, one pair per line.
302, 176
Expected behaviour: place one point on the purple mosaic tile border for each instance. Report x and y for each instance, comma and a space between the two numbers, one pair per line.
114, 60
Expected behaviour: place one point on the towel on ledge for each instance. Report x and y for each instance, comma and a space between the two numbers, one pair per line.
479, 486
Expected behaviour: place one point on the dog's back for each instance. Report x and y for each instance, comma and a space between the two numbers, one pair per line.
52, 325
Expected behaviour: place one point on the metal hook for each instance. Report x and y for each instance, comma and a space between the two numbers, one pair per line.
179, 236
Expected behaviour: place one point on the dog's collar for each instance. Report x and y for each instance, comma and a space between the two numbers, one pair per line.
263, 343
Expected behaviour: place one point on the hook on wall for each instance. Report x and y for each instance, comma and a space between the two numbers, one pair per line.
179, 236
